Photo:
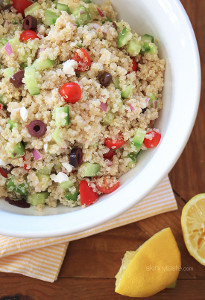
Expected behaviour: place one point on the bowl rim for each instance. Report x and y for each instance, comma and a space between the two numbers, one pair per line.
62, 227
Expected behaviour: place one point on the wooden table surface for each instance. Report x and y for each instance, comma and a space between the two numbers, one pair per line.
91, 264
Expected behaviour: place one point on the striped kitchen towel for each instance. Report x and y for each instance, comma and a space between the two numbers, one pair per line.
42, 258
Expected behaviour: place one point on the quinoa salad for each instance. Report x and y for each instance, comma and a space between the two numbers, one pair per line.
79, 94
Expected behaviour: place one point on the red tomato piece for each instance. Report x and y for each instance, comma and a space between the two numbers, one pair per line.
3, 172
134, 65
114, 144
20, 5
87, 195
0, 106
106, 185
28, 35
25, 165
154, 141
83, 59
109, 155
71, 92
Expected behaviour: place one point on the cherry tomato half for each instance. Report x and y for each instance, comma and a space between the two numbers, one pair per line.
28, 35
87, 195
106, 185
20, 5
114, 144
134, 65
71, 92
109, 155
3, 172
154, 141
83, 59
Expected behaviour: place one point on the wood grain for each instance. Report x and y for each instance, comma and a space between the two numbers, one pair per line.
91, 264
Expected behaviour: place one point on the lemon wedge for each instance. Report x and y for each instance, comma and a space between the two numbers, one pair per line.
193, 227
154, 266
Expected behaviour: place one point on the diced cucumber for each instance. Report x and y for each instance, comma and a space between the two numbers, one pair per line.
93, 11
138, 138
38, 198
50, 17
19, 189
133, 47
116, 82
30, 78
89, 169
15, 43
109, 118
153, 102
12, 124
58, 137
127, 92
45, 179
82, 16
61, 116
133, 156
18, 151
147, 38
30, 10
2, 100
148, 44
124, 37
9, 72
66, 185
3, 42
173, 285
41, 65
87, 1
63, 7
44, 171
73, 197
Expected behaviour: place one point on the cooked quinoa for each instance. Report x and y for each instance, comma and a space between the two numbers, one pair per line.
96, 136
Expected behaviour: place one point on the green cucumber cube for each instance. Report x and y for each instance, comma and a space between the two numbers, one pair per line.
66, 185
133, 47
61, 116
38, 198
30, 78
82, 16
15, 43
30, 10
9, 72
58, 137
3, 42
12, 124
89, 169
109, 118
73, 197
124, 37
44, 171
116, 82
63, 7
87, 1
50, 17
127, 92
139, 138
153, 102
18, 151
147, 38
18, 189
133, 156
41, 65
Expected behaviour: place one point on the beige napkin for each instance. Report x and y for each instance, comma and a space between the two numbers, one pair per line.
42, 258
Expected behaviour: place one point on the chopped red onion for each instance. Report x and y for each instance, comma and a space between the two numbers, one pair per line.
36, 154
40, 50
103, 106
131, 107
109, 163
82, 12
100, 12
155, 104
147, 100
8, 49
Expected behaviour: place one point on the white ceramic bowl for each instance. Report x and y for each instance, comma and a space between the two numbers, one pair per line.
168, 22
